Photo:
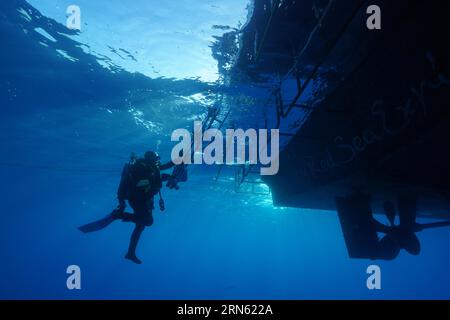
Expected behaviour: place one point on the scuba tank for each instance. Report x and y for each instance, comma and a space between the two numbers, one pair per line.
146, 183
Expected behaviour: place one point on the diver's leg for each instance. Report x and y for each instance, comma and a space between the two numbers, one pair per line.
143, 218
131, 254
128, 217
131, 217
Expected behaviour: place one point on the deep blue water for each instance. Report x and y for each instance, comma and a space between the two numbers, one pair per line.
72, 114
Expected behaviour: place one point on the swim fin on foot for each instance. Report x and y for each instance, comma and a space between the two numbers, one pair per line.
99, 224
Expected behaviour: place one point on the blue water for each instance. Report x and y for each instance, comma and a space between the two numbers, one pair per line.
72, 112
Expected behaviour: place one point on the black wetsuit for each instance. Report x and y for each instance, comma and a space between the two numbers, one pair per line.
140, 182
134, 188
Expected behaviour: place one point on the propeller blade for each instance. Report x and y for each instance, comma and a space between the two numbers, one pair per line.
407, 210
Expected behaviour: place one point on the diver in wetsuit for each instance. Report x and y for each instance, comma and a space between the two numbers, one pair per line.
140, 182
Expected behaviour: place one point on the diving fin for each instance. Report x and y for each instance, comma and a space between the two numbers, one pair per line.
99, 224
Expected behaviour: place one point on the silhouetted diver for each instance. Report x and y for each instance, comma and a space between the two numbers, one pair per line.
140, 182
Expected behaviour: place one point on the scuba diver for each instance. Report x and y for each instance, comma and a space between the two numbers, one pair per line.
140, 182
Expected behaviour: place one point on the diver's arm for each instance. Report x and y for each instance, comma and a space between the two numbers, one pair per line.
167, 166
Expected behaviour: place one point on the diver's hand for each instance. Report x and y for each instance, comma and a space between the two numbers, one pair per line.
172, 183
